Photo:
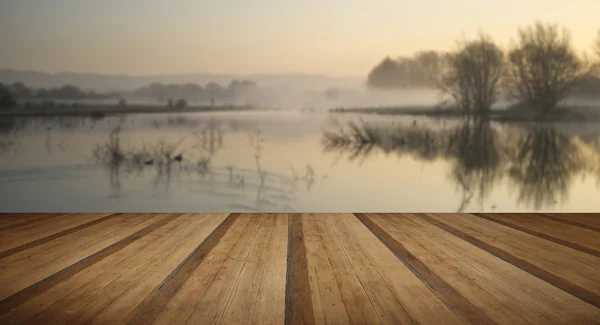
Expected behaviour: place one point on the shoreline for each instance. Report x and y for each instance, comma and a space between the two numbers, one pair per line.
563, 114
108, 110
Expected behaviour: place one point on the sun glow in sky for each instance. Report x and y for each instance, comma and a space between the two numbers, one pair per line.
333, 37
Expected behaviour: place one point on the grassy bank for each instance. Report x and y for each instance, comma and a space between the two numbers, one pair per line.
516, 114
105, 110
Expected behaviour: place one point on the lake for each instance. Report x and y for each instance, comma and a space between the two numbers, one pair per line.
295, 162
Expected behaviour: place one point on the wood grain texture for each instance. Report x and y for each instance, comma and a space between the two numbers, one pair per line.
329, 268
451, 297
586, 220
298, 309
17, 297
12, 242
570, 271
584, 240
149, 309
504, 292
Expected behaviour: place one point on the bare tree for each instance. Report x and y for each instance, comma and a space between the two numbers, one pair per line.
543, 66
472, 75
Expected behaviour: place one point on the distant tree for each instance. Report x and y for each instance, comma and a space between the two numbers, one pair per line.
19, 90
67, 92
543, 66
214, 90
7, 99
122, 102
181, 103
385, 75
170, 103
430, 64
42, 93
473, 74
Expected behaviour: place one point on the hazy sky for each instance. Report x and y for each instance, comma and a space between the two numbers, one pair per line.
334, 37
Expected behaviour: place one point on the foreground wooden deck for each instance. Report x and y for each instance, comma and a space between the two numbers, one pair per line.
299, 269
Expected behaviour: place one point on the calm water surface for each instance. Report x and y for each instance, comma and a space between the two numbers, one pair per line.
291, 161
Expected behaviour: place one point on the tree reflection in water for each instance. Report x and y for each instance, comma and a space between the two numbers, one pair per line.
543, 166
540, 162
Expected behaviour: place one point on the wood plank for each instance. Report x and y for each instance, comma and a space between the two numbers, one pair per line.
116, 295
327, 302
215, 302
14, 242
298, 309
240, 307
97, 275
182, 305
25, 220
149, 309
570, 270
459, 304
507, 294
575, 237
119, 309
30, 272
351, 287
585, 220
367, 252
269, 308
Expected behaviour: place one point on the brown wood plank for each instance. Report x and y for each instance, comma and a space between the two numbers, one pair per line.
114, 296
507, 294
148, 310
327, 301
586, 220
581, 239
183, 304
545, 260
445, 292
25, 268
351, 290
215, 302
120, 308
20, 241
69, 292
298, 306
25, 219
368, 253
241, 306
269, 307
52, 280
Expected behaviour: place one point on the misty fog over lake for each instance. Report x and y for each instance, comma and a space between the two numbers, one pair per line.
293, 161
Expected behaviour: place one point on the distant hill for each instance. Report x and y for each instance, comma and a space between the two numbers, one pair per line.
102, 82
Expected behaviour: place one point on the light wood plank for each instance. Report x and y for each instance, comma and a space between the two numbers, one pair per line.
114, 311
507, 294
12, 241
568, 265
28, 267
96, 276
582, 239
187, 299
369, 253
269, 307
328, 304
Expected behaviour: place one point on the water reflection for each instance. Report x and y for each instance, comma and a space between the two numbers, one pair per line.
193, 161
259, 163
540, 163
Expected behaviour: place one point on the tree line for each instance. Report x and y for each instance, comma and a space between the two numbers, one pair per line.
176, 95
540, 69
195, 92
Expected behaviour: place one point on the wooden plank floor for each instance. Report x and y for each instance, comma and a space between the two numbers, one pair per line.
299, 269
